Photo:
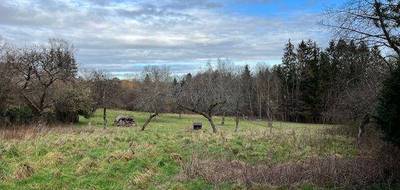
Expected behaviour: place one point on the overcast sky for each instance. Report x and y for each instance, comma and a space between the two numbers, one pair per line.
123, 36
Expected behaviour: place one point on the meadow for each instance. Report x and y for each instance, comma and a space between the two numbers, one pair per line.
170, 155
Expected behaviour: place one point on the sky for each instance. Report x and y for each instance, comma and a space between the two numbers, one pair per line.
121, 37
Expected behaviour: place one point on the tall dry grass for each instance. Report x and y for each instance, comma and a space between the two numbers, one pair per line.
376, 163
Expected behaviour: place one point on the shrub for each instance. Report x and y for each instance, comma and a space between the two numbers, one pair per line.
388, 109
19, 115
72, 102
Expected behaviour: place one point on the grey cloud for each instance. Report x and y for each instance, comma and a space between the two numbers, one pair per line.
118, 35
152, 15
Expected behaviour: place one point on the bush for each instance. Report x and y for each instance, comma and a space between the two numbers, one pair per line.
72, 102
19, 115
388, 110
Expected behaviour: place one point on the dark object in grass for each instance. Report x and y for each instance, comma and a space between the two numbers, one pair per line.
197, 126
124, 121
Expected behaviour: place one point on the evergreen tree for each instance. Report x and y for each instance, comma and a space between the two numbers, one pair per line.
388, 109
290, 80
308, 56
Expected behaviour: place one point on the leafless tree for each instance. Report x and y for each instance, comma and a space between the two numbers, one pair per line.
104, 89
38, 68
6, 88
155, 91
377, 22
203, 95
374, 21
267, 92
224, 69
235, 99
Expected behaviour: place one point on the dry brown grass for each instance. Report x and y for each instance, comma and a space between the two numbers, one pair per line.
53, 159
20, 132
86, 165
143, 177
121, 155
329, 171
24, 171
376, 163
33, 131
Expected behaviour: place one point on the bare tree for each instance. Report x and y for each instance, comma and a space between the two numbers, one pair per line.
154, 91
37, 69
267, 85
224, 69
203, 95
374, 21
6, 80
104, 90
235, 100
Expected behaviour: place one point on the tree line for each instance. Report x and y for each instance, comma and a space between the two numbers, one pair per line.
339, 83
349, 81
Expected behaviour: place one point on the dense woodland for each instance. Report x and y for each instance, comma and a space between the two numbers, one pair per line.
338, 84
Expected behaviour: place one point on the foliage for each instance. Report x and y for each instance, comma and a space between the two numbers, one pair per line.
388, 110
19, 115
337, 84
73, 100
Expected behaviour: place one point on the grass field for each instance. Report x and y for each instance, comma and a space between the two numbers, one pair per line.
167, 155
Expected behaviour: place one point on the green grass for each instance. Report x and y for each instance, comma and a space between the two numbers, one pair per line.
87, 156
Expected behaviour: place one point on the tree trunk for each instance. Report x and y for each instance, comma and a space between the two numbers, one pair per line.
361, 128
223, 119
237, 122
259, 108
270, 126
180, 115
251, 106
148, 120
105, 117
214, 128
269, 116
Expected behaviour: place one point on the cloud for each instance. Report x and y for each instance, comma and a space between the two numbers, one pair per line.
117, 35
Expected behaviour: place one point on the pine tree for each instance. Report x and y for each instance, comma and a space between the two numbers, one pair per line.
388, 109
308, 56
247, 87
289, 78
